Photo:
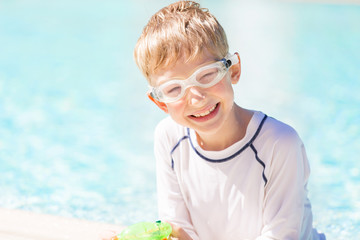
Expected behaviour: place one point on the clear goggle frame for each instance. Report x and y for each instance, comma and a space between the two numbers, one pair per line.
204, 77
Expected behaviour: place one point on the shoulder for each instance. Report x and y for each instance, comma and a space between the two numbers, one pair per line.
168, 126
277, 135
282, 150
169, 131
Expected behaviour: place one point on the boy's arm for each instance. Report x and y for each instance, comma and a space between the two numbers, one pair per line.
285, 193
171, 205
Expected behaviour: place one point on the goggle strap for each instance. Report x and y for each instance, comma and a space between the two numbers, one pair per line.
234, 59
151, 93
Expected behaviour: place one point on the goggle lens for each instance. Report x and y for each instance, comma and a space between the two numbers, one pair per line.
205, 78
208, 75
172, 91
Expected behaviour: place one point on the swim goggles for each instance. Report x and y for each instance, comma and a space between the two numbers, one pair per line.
204, 77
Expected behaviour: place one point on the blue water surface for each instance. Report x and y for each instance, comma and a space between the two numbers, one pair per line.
77, 129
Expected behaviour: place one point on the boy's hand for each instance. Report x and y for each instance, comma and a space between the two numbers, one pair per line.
178, 233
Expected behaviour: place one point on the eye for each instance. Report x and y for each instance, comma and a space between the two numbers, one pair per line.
172, 90
207, 76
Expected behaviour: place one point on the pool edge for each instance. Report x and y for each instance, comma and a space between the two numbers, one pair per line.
25, 225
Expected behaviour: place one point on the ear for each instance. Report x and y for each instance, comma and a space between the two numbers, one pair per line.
161, 105
236, 71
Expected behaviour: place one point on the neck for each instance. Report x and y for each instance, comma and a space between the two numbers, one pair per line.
232, 131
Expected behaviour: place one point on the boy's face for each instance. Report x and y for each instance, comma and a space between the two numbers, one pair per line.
205, 110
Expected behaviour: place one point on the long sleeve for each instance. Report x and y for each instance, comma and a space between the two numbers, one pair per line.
285, 196
171, 204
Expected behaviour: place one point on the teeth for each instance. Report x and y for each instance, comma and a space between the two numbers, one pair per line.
205, 113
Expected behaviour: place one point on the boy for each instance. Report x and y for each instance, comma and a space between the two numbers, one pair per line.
223, 172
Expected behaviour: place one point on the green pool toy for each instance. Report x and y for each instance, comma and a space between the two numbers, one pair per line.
146, 231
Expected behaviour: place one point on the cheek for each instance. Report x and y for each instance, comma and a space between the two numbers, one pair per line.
176, 108
223, 89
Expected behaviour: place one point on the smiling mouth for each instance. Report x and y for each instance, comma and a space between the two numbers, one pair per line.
205, 113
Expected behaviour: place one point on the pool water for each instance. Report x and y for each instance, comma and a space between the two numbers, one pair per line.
76, 126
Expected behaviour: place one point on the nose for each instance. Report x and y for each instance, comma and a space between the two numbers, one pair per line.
196, 95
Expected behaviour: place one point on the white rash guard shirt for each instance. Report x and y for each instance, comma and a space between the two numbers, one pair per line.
254, 189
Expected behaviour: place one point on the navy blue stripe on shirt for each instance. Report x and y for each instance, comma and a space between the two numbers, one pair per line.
235, 154
261, 163
172, 150
177, 144
249, 144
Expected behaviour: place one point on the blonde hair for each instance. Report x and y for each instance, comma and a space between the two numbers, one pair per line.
180, 29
